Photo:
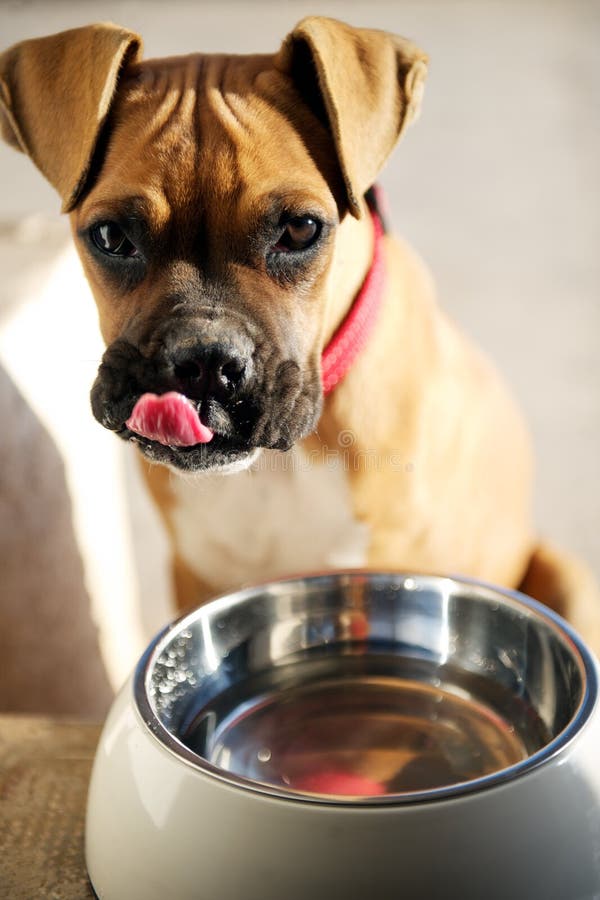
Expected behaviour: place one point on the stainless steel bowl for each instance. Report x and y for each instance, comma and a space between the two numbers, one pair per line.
353, 722
413, 687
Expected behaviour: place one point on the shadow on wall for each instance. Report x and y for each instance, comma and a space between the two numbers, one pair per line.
48, 643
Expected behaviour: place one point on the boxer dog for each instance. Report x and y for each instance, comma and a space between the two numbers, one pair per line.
262, 330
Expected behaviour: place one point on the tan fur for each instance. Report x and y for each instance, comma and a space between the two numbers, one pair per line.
438, 461
446, 492
39, 76
565, 584
189, 588
367, 113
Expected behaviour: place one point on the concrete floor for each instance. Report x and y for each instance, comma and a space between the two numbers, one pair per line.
497, 186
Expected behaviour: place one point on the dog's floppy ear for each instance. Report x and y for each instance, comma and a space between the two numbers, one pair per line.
55, 94
366, 85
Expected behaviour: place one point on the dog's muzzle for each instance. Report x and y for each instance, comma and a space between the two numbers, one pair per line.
205, 403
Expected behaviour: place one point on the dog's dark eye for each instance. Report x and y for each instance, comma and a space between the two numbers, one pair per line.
300, 232
111, 239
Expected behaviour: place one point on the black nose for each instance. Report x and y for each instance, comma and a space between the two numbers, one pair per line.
212, 371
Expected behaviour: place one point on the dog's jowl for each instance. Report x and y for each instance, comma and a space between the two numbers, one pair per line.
261, 329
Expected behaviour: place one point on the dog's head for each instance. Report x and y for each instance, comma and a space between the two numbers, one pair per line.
206, 195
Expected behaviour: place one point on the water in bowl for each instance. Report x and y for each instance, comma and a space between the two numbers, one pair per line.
344, 727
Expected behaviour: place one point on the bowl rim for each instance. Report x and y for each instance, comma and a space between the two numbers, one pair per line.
567, 635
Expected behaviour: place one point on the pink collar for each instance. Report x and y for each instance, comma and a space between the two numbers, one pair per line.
353, 333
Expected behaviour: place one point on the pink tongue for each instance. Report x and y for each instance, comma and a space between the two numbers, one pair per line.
170, 419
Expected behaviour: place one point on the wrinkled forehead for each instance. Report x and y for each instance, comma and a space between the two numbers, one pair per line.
214, 133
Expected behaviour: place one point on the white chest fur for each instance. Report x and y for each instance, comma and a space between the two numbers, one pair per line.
284, 515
